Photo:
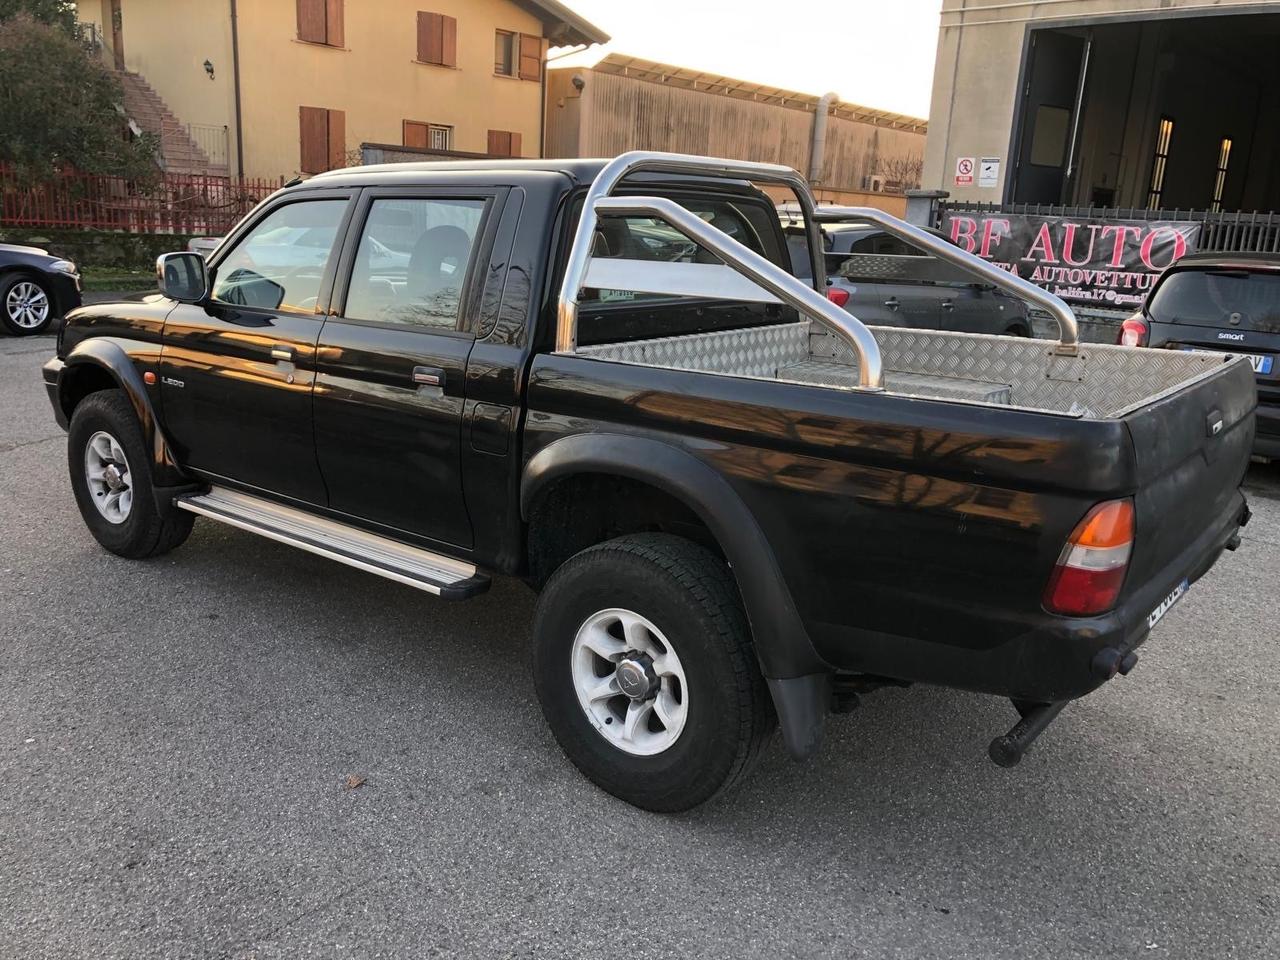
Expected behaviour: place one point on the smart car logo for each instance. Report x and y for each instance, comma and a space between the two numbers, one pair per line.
1228, 335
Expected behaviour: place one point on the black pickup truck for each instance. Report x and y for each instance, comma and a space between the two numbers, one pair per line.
740, 505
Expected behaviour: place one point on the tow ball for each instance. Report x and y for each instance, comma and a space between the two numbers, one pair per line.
1006, 751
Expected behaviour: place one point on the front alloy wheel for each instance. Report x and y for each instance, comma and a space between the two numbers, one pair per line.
27, 308
106, 471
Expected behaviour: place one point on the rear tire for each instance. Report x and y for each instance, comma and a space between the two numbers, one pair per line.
110, 469
670, 608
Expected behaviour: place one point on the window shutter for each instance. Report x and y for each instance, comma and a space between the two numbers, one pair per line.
513, 145
333, 23
337, 139
311, 17
530, 57
499, 143
313, 133
415, 134
430, 37
449, 41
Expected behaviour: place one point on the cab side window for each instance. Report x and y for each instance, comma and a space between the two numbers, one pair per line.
413, 261
280, 263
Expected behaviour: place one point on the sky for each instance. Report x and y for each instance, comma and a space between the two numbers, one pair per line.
876, 53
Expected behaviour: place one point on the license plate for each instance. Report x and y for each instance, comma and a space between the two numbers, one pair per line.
1259, 363
1156, 615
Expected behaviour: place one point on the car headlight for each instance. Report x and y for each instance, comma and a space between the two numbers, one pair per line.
63, 266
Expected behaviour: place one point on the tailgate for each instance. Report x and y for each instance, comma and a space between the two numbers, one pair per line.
1191, 450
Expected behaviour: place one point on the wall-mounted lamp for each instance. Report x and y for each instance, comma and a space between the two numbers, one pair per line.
208, 68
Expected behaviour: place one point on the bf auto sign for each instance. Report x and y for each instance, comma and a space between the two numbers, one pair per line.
1110, 263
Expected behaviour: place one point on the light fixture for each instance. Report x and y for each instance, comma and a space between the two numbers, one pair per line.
208, 68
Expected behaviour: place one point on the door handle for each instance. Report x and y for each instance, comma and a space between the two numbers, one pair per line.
892, 303
282, 353
428, 376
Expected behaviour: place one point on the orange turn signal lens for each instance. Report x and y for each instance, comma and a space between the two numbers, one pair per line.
1106, 525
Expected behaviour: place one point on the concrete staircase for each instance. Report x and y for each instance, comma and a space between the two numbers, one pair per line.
179, 152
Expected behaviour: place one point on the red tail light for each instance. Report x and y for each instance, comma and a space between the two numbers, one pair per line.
837, 296
1134, 332
1092, 565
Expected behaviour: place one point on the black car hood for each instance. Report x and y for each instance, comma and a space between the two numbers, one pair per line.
22, 248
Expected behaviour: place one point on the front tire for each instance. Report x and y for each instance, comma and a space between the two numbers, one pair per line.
645, 670
111, 477
26, 305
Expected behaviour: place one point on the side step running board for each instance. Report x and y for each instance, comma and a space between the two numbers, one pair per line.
447, 578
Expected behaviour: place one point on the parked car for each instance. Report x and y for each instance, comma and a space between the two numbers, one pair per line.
1221, 302
35, 289
886, 281
739, 505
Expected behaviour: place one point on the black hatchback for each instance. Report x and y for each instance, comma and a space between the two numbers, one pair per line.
1227, 302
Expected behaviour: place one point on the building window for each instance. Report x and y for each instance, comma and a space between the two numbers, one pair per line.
320, 21
1220, 177
518, 55
437, 39
322, 138
1164, 137
504, 143
504, 53
433, 136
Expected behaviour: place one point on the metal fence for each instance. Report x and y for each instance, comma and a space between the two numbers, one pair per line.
1220, 231
167, 203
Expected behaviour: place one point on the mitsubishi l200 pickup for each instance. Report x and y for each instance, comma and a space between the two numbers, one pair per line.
741, 507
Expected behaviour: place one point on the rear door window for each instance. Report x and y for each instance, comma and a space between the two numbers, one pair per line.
1233, 299
413, 261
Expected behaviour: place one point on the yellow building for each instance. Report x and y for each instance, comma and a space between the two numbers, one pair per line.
271, 88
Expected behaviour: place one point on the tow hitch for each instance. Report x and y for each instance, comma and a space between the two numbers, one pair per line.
1006, 751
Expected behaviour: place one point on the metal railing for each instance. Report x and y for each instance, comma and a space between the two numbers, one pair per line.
741, 259
1056, 307
166, 203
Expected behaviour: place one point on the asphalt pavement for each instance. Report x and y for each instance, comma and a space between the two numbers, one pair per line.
181, 739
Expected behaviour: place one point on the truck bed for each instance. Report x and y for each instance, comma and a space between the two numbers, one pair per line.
1101, 381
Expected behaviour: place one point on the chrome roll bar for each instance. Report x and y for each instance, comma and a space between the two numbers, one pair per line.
745, 261
1068, 330
761, 271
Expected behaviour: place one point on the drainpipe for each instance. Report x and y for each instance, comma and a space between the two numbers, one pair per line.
819, 146
235, 70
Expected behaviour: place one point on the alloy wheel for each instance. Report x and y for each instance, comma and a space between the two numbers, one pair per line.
107, 471
27, 305
629, 682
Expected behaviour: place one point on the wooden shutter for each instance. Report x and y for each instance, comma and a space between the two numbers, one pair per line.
311, 19
499, 143
313, 128
530, 57
430, 37
449, 41
504, 143
415, 134
337, 140
334, 23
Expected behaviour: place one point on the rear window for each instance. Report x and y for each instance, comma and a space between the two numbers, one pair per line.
1212, 298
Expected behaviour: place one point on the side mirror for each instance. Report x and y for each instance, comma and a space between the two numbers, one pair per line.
182, 277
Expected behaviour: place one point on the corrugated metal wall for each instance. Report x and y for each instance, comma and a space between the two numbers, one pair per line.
623, 113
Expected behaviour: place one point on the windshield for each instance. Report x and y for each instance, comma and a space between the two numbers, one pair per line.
1227, 298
